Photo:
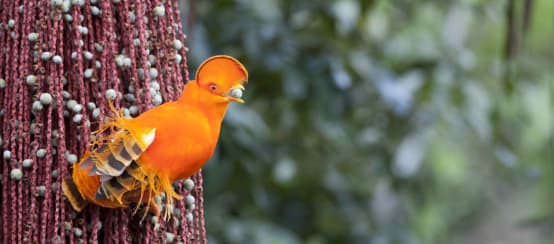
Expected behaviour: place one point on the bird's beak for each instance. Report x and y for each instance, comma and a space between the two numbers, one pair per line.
236, 100
235, 93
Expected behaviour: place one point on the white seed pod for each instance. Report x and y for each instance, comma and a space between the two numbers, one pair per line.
97, 64
54, 173
67, 226
133, 110
177, 44
70, 104
130, 97
111, 94
71, 158
189, 184
55, 142
46, 56
32, 128
57, 59
2, 83
154, 219
88, 73
191, 206
33, 36
93, 1
68, 18
16, 174
96, 113
153, 92
178, 58
45, 98
176, 212
151, 59
190, 217
27, 163
7, 154
31, 80
77, 232
236, 93
99, 225
136, 42
40, 190
177, 223
119, 60
116, 1
41, 153
20, 9
88, 55
91, 106
153, 73
77, 118
57, 3
78, 2
126, 113
77, 108
73, 55
98, 47
11, 23
83, 30
155, 85
132, 16
66, 6
189, 199
140, 72
127, 62
159, 11
157, 100
37, 106
66, 95
169, 237
95, 11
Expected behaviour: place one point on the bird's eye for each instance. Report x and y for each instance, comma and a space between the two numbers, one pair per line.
213, 87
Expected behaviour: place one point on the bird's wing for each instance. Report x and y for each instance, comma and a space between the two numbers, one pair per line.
113, 157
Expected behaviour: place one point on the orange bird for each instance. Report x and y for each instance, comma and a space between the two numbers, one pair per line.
131, 160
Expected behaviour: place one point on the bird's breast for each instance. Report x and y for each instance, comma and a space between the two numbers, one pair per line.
179, 152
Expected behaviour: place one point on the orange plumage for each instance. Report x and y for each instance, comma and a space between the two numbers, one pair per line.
133, 159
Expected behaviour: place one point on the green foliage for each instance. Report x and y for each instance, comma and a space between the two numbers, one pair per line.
380, 122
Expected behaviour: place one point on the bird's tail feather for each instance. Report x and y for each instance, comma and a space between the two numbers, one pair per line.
73, 195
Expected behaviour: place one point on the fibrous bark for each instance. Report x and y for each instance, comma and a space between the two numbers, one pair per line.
60, 63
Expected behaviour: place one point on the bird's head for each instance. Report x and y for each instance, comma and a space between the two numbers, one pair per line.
223, 77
